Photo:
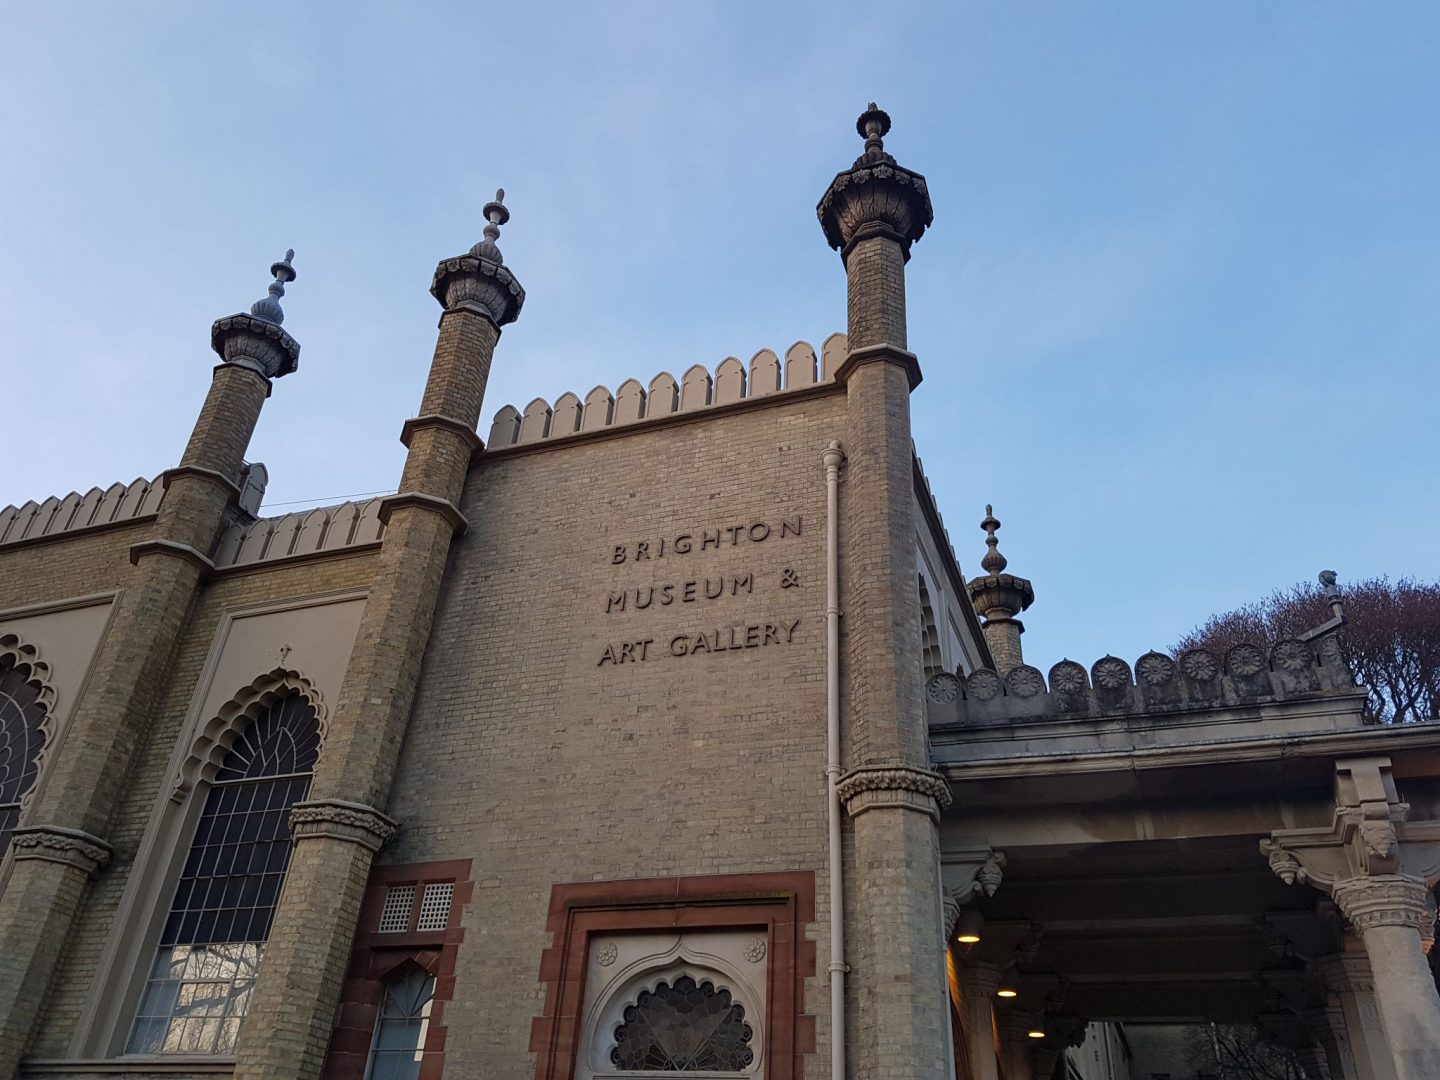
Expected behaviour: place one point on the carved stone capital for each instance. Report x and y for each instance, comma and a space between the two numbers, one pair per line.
57, 844
875, 198
254, 343
1386, 900
337, 819
479, 284
872, 787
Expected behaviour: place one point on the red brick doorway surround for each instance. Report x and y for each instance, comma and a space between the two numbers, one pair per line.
780, 905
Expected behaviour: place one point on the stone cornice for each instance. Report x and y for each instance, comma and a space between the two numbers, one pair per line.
872, 787
875, 198
254, 343
483, 285
58, 844
423, 501
337, 819
173, 548
445, 423
871, 354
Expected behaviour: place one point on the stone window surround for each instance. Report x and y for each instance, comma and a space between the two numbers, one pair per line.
782, 903
376, 955
135, 931
59, 705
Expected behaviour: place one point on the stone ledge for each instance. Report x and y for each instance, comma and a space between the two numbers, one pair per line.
872, 354
170, 1065
173, 548
446, 423
423, 501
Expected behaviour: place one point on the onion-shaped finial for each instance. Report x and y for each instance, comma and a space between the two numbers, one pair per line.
268, 306
993, 562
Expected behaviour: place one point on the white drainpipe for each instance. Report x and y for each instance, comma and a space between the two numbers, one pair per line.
832, 457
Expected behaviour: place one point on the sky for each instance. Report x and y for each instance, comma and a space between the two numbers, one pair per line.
1178, 314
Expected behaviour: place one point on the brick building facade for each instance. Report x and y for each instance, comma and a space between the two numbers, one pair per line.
623, 742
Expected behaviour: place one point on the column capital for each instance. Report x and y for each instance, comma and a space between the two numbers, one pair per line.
979, 977
57, 844
872, 787
337, 819
1386, 900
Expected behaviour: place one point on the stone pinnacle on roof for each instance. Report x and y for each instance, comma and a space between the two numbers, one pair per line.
495, 216
257, 341
993, 562
479, 280
875, 196
268, 306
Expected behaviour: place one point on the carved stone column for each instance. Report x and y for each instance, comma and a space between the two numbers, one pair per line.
1327, 1028
978, 981
1015, 1028
1359, 1036
1379, 869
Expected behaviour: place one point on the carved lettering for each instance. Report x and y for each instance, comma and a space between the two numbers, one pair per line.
788, 528
756, 532
709, 539
615, 602
683, 544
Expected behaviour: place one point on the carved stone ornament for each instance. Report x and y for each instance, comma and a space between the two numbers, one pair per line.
467, 281
874, 786
942, 687
984, 685
1292, 656
606, 952
1155, 669
68, 847
876, 196
1068, 678
1244, 660
1385, 900
1200, 665
754, 950
337, 819
1110, 673
1025, 681
258, 344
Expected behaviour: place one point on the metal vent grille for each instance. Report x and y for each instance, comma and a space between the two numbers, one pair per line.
435, 906
399, 902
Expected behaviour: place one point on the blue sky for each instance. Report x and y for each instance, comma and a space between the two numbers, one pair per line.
1178, 314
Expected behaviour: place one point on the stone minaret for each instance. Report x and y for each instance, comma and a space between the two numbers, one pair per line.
67, 842
873, 212
998, 597
339, 829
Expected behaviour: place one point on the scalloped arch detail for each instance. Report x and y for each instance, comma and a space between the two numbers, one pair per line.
216, 736
24, 654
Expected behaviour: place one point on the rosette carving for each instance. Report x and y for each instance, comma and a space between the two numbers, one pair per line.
1155, 669
1068, 679
983, 685
1025, 682
1243, 661
942, 687
1199, 665
1111, 673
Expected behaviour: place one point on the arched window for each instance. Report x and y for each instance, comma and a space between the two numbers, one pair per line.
214, 938
683, 1026
21, 738
399, 1043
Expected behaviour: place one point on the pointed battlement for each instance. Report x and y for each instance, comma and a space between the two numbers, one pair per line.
634, 403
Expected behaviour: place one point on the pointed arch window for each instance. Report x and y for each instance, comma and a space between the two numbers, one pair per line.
398, 1046
213, 940
22, 714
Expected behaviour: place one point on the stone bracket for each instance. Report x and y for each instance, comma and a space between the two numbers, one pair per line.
423, 501
446, 423
337, 819
873, 787
58, 844
173, 548
967, 874
874, 353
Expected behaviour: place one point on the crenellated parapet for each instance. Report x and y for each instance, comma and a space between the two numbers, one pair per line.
635, 403
117, 504
325, 529
1196, 679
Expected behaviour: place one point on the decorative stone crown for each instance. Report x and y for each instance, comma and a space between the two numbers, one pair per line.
256, 341
875, 196
998, 596
480, 280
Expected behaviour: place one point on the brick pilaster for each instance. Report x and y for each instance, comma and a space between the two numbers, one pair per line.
297, 993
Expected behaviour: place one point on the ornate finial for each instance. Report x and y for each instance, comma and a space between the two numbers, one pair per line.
268, 306
495, 216
993, 562
873, 124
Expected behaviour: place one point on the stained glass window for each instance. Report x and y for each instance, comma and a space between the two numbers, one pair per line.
399, 1043
20, 742
687, 1026
214, 936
